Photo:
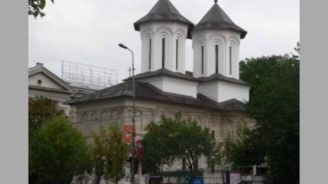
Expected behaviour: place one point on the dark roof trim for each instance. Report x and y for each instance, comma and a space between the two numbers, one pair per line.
164, 72
49, 89
146, 91
164, 10
188, 76
217, 19
217, 76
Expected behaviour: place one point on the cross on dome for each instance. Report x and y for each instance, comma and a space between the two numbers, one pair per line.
215, 1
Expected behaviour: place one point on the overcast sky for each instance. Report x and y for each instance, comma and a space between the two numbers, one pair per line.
88, 31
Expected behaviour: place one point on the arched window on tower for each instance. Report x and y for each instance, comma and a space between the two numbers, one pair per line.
163, 52
150, 45
216, 59
177, 55
230, 60
202, 59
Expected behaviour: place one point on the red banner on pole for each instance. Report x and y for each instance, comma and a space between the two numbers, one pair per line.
128, 129
139, 149
127, 138
127, 133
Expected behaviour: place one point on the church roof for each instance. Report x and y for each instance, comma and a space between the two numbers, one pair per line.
164, 72
218, 76
164, 11
188, 76
216, 18
146, 91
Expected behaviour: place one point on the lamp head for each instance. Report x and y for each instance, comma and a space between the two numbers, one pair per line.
123, 46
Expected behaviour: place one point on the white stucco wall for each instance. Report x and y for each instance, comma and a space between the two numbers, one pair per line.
155, 81
229, 91
46, 81
180, 86
224, 39
171, 31
221, 91
174, 85
209, 89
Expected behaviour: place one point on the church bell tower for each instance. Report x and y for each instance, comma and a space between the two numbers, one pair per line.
216, 41
163, 35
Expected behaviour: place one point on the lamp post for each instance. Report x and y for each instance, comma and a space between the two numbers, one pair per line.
133, 116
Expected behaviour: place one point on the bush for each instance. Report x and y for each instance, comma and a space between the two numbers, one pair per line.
57, 151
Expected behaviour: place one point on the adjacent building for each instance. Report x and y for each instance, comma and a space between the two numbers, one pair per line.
43, 82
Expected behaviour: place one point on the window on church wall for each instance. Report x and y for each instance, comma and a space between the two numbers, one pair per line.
105, 117
114, 118
150, 45
230, 60
177, 54
202, 59
216, 59
84, 117
163, 52
226, 129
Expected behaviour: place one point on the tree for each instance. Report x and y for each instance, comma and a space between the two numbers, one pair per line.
109, 154
40, 110
35, 7
161, 140
57, 151
245, 150
274, 103
221, 158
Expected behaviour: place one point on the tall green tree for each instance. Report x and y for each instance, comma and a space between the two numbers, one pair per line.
274, 103
35, 7
109, 154
40, 110
245, 150
57, 151
174, 139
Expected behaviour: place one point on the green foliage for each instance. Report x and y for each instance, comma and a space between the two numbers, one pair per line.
246, 150
40, 110
274, 103
109, 154
35, 7
176, 138
56, 152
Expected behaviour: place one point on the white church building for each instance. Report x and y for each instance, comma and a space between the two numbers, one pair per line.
211, 94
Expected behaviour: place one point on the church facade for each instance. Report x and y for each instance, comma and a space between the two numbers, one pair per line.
212, 94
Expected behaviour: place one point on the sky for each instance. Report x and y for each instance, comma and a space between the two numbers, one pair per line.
88, 31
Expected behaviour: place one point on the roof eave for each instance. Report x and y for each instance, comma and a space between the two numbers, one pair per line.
191, 26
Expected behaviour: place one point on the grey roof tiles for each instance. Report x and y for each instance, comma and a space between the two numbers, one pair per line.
146, 91
164, 11
216, 18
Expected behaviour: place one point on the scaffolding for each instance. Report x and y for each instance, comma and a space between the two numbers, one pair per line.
88, 76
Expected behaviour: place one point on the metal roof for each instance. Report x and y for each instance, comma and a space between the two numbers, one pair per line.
188, 76
220, 77
164, 11
164, 72
146, 91
216, 18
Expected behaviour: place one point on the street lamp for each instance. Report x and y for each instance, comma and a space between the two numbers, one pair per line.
133, 116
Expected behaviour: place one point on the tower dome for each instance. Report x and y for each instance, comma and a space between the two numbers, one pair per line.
166, 12
217, 19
